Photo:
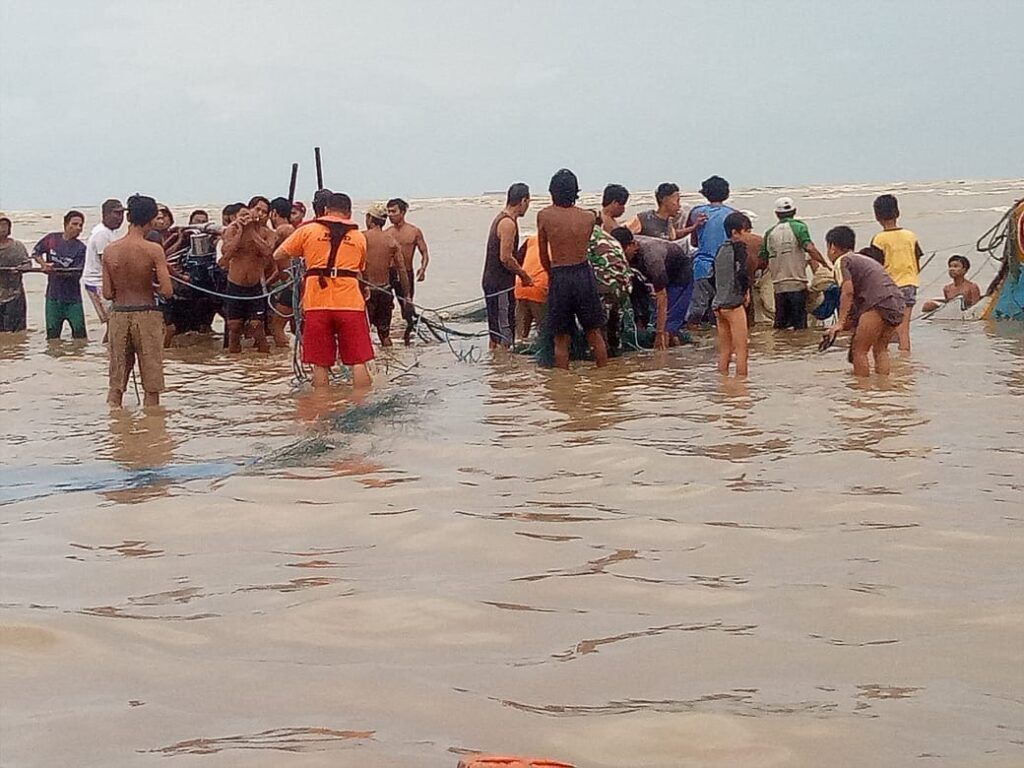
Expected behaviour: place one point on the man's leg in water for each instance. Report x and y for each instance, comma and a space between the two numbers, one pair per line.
562, 350
870, 328
361, 378
321, 376
235, 335
596, 340
903, 331
724, 343
881, 350
279, 323
259, 334
738, 334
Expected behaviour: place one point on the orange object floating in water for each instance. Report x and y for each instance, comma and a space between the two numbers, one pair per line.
504, 761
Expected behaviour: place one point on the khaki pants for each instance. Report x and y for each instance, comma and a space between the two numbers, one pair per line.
763, 300
137, 333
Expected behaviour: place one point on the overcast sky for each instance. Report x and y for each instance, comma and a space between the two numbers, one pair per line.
212, 101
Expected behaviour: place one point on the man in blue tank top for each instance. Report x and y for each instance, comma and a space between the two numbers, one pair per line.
707, 238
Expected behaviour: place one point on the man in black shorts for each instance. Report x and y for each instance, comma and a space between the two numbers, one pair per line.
246, 254
563, 236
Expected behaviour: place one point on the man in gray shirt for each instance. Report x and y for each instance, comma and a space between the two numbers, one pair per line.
13, 255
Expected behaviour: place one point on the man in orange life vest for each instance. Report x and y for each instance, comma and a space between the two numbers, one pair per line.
333, 304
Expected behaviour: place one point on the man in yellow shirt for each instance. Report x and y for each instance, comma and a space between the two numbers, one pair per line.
902, 259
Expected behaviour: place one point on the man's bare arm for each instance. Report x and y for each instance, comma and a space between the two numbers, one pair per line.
108, 283
506, 238
163, 275
688, 229
421, 243
812, 250
845, 306
230, 241
263, 241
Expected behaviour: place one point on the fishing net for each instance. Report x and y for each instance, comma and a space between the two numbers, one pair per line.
331, 431
629, 339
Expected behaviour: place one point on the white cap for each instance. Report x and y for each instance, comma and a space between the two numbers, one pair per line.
785, 205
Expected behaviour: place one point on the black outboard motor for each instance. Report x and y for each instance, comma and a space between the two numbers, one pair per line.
192, 308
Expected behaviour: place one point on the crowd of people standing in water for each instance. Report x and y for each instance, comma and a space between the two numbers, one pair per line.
583, 271
683, 271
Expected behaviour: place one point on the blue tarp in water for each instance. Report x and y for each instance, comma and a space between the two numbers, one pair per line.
1011, 298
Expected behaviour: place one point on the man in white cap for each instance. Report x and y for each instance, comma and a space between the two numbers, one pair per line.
384, 270
787, 247
103, 234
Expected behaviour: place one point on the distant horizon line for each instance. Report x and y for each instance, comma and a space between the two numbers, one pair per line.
739, 190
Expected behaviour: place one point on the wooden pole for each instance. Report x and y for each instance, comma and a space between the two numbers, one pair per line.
291, 185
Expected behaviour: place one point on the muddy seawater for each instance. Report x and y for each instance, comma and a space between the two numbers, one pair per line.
642, 566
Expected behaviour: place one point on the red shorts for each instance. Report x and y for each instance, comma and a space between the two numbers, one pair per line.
329, 334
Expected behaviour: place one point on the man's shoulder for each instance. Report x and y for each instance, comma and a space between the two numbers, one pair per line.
19, 246
799, 227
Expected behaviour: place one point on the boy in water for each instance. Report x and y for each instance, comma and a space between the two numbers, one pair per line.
732, 282
902, 259
961, 286
871, 304
707, 235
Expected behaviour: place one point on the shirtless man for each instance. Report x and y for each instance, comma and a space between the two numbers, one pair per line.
280, 220
563, 236
613, 205
383, 260
762, 291
409, 237
246, 254
958, 266
136, 326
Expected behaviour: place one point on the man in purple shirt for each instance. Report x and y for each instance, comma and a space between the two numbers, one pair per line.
62, 257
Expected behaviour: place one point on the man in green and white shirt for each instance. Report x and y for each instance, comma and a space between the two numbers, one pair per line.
787, 248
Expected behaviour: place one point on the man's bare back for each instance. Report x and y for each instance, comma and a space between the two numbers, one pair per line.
281, 233
247, 251
130, 267
563, 235
753, 243
382, 253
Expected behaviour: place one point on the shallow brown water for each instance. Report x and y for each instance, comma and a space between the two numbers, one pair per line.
638, 566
